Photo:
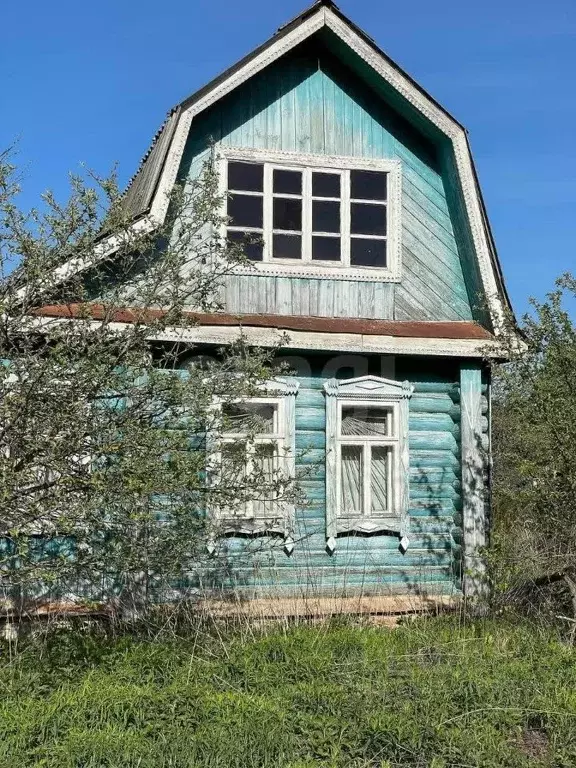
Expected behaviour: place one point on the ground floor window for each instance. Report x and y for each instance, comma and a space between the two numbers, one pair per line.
252, 462
366, 456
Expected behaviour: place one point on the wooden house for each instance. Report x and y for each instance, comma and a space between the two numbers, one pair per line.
379, 264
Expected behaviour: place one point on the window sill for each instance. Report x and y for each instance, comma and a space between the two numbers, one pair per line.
389, 524
240, 527
318, 272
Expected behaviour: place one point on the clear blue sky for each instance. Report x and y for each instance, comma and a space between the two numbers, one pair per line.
91, 81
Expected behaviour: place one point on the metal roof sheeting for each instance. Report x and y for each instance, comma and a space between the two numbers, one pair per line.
398, 328
142, 185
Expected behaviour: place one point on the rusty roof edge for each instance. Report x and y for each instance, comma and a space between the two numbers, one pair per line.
449, 329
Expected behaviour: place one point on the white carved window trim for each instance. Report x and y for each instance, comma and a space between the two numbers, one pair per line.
378, 392
281, 393
306, 267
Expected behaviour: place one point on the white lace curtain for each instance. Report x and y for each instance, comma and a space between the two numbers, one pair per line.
358, 422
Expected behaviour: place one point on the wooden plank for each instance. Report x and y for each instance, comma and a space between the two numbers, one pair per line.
259, 96
307, 440
430, 208
421, 168
434, 458
273, 112
287, 106
338, 116
422, 302
434, 403
473, 479
302, 109
316, 110
348, 553
448, 296
444, 264
311, 606
420, 239
348, 121
358, 139
427, 187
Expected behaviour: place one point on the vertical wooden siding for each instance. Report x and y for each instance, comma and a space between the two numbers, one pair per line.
367, 565
308, 102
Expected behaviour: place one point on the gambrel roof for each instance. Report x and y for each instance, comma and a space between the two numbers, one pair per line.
146, 198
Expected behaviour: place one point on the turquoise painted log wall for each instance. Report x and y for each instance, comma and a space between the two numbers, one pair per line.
368, 565
309, 102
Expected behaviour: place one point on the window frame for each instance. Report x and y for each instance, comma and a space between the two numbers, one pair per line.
277, 438
366, 392
281, 393
391, 442
309, 163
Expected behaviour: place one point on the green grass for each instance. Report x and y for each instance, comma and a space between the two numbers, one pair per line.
432, 693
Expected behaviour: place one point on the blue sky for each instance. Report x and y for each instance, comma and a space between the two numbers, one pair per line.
91, 82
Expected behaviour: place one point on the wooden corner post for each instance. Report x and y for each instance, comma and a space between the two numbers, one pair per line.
474, 453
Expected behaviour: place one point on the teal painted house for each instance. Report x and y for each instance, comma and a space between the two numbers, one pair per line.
373, 254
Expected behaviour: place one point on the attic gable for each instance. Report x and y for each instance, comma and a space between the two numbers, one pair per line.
147, 196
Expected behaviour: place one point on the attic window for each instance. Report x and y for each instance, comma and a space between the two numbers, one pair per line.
320, 215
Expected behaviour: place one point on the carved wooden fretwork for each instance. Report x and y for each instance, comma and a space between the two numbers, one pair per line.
378, 391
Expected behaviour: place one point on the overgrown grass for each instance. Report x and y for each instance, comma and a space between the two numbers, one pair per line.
432, 693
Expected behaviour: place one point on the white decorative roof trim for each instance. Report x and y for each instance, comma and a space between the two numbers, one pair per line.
447, 125
263, 60
456, 133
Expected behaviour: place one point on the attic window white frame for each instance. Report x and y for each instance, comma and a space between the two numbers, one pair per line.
307, 163
281, 393
377, 392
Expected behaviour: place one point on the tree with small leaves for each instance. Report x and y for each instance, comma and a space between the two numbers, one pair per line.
534, 430
107, 414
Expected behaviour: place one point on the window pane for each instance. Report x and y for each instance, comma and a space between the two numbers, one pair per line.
367, 253
233, 470
366, 219
364, 421
326, 184
287, 214
368, 185
264, 480
246, 176
245, 210
249, 418
325, 216
289, 182
251, 244
379, 480
351, 479
325, 248
233, 462
287, 247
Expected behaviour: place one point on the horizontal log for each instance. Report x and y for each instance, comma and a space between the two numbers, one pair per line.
427, 440
434, 458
